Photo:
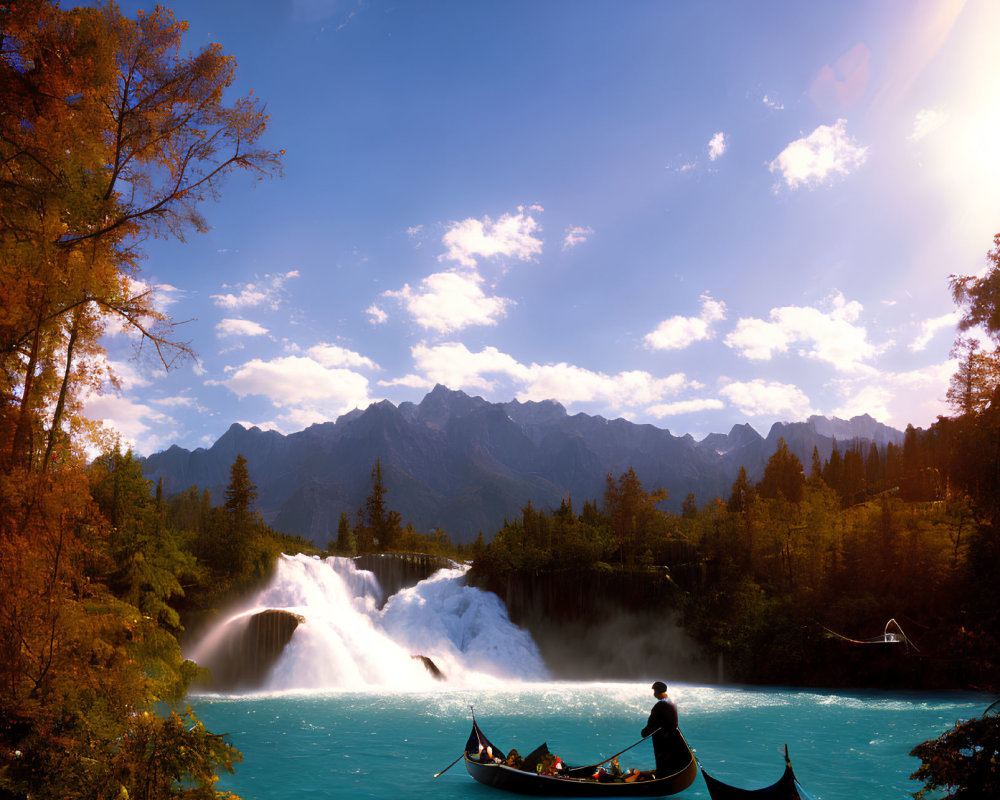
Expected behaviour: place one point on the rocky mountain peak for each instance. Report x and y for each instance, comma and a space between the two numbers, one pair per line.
443, 404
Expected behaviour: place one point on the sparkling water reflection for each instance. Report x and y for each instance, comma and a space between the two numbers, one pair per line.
383, 744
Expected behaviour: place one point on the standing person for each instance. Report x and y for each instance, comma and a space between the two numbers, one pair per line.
667, 746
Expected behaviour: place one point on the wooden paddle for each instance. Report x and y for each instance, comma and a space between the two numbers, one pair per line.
581, 770
453, 763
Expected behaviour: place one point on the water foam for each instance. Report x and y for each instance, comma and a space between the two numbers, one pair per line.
348, 642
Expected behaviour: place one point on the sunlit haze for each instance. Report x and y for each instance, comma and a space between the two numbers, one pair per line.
692, 215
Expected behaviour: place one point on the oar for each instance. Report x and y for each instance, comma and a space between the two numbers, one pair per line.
453, 763
609, 758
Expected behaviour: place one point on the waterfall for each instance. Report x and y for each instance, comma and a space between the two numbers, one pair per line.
348, 639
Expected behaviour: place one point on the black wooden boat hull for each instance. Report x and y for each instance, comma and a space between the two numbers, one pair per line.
787, 787
509, 779
500, 776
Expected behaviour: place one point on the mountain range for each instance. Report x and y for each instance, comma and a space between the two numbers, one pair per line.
466, 465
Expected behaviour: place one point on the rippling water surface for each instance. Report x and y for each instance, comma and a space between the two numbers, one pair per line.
388, 744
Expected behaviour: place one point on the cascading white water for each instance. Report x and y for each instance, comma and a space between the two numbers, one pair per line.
348, 642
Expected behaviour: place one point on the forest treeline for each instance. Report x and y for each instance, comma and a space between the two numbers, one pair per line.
780, 574
787, 576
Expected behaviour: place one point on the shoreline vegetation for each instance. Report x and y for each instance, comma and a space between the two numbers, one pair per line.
102, 574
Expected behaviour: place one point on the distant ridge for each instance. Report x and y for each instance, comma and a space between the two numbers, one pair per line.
465, 465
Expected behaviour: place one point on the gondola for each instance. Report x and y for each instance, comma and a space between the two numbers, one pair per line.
786, 788
485, 762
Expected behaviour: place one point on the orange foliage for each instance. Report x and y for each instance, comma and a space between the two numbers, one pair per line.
110, 134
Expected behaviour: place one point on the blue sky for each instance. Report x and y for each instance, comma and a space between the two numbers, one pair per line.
692, 215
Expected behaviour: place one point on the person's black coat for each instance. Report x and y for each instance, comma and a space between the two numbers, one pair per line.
668, 748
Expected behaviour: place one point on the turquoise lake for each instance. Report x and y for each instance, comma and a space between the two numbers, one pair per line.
382, 744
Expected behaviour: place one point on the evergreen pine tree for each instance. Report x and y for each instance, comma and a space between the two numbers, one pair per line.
240, 495
346, 544
783, 475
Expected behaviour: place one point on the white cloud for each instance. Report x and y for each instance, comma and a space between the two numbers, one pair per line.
717, 146
758, 339
179, 401
454, 365
303, 390
898, 398
452, 300
926, 122
930, 327
685, 407
575, 234
678, 332
767, 398
376, 315
873, 400
770, 102
165, 295
811, 160
332, 355
289, 378
449, 301
141, 427
512, 235
175, 402
249, 295
269, 291
239, 327
411, 381
571, 384
831, 336
935, 376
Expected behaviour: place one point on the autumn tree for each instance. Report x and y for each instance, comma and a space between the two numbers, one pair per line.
740, 494
975, 389
816, 467
89, 664
874, 469
853, 483
972, 386
833, 470
689, 508
110, 134
631, 512
963, 761
979, 296
783, 476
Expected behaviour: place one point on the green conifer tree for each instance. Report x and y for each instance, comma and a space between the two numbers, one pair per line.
240, 520
346, 544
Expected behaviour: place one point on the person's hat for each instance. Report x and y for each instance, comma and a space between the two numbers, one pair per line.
659, 687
